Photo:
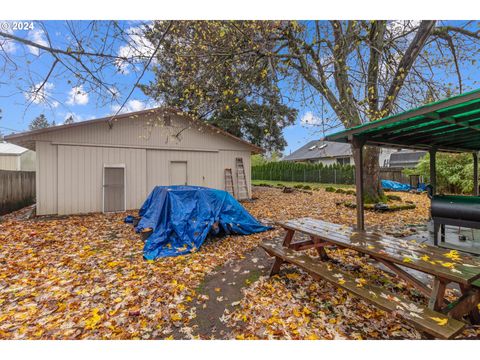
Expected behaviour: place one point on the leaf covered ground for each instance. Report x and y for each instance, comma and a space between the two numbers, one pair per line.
83, 277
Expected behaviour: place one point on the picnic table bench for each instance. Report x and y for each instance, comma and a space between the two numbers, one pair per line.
440, 318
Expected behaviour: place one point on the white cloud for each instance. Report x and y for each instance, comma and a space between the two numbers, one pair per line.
310, 119
397, 28
42, 95
77, 96
38, 37
138, 48
134, 105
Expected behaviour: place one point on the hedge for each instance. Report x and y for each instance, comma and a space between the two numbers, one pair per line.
304, 172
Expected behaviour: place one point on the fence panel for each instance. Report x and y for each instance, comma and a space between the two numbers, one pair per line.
17, 189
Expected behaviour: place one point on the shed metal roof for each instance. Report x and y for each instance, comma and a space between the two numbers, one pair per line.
19, 137
451, 125
11, 149
319, 149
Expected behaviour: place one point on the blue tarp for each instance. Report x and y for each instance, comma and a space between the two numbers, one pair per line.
181, 217
394, 185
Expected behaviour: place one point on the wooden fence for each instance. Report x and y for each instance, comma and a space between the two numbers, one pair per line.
17, 189
395, 174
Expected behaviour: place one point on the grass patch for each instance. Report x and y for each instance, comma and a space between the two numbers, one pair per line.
254, 276
298, 184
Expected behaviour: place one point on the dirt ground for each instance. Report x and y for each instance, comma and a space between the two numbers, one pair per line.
84, 277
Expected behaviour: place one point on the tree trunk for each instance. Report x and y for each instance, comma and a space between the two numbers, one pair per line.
372, 188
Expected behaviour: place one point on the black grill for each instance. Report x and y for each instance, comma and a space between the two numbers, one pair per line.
454, 210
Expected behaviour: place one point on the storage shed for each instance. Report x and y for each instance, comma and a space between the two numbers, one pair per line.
111, 164
16, 158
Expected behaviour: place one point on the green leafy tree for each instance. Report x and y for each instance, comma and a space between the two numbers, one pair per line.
454, 172
260, 159
40, 122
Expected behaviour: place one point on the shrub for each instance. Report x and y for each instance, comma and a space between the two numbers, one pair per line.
454, 172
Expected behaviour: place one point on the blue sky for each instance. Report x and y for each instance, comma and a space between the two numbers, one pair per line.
65, 98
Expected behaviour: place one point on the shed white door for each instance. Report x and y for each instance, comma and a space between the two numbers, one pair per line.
178, 173
114, 189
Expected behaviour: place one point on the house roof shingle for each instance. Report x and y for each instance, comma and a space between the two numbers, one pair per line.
317, 149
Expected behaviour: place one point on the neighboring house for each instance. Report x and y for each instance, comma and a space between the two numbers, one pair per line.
329, 153
406, 158
14, 157
104, 165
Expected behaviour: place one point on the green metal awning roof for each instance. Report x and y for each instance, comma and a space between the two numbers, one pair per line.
451, 125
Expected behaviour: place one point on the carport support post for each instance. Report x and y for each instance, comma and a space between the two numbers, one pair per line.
433, 170
358, 156
475, 173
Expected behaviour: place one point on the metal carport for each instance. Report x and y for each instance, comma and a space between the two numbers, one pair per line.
450, 125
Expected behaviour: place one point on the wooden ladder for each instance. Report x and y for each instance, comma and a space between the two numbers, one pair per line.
229, 182
241, 180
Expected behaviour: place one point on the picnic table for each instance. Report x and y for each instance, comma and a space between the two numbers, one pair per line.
440, 318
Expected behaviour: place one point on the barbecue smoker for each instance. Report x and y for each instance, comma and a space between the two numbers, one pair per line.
463, 211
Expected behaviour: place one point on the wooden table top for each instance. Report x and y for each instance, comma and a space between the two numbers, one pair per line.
447, 264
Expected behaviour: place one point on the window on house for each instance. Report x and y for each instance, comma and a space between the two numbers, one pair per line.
343, 161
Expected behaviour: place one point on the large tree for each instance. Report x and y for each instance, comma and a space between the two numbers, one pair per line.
206, 69
350, 72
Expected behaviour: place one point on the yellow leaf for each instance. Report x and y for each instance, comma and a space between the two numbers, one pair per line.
440, 321
293, 276
407, 260
360, 282
425, 258
448, 265
92, 322
312, 337
176, 317
118, 299
341, 281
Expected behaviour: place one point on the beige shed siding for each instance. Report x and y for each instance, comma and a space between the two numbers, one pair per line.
9, 162
80, 177
203, 168
136, 132
46, 178
27, 161
200, 165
